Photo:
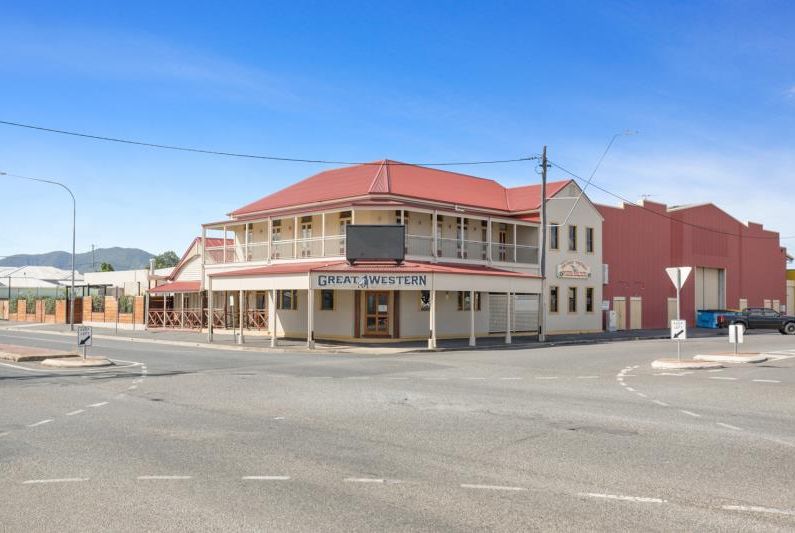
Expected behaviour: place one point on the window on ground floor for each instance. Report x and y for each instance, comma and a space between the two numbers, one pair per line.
553, 299
326, 300
572, 299
287, 300
589, 300
425, 300
463, 301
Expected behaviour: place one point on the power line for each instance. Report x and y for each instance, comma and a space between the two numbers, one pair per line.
683, 222
251, 156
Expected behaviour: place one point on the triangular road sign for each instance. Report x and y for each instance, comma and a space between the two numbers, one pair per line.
678, 275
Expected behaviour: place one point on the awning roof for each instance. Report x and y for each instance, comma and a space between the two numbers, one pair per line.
407, 267
177, 286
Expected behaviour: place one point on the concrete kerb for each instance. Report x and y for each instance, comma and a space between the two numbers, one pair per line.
732, 358
77, 362
684, 364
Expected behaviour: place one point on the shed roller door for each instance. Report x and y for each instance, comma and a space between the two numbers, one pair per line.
524, 312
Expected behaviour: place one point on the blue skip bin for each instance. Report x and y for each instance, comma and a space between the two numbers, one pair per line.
708, 318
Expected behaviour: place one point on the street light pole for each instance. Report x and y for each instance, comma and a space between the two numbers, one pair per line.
74, 234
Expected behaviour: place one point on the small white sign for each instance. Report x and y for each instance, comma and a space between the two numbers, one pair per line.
605, 305
678, 330
84, 335
678, 275
736, 334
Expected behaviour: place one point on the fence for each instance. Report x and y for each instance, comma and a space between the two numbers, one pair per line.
43, 310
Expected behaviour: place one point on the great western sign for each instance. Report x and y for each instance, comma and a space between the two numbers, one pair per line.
371, 281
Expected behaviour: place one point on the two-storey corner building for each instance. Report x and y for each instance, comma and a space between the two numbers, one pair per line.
471, 263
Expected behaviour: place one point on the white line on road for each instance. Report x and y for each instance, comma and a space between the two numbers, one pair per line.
690, 413
491, 487
639, 499
587, 377
358, 377
766, 380
61, 480
77, 412
641, 395
507, 379
624, 384
4, 433
369, 480
546, 377
40, 423
266, 478
163, 477
724, 378
435, 379
474, 378
397, 378
659, 402
279, 418
757, 509
132, 387
630, 389
99, 404
729, 426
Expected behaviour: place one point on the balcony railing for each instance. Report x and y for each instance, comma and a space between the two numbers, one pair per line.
334, 246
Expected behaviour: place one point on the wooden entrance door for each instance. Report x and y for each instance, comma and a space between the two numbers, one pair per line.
376, 313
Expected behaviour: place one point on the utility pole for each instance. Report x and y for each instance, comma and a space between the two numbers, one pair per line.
543, 245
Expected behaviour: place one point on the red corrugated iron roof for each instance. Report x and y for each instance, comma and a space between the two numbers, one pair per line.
400, 179
342, 266
177, 286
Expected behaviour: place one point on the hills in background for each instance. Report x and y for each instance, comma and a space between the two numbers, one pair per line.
120, 258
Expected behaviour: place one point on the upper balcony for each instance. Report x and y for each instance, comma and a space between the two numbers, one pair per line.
456, 238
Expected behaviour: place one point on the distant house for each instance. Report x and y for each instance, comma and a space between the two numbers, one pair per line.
36, 280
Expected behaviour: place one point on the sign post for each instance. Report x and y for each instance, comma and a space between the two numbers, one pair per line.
678, 333
83, 338
736, 336
678, 277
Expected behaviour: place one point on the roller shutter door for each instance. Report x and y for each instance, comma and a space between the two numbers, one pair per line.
524, 313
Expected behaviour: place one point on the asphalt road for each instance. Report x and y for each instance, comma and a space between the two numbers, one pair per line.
567, 438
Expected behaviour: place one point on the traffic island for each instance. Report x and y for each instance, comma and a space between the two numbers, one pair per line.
76, 362
22, 354
684, 364
742, 357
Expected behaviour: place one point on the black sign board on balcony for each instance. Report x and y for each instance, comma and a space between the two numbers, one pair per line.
375, 242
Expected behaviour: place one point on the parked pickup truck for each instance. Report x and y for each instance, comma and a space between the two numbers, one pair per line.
759, 318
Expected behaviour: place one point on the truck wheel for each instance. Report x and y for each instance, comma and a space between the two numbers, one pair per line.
789, 328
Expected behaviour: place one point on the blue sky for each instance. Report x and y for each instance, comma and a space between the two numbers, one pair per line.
710, 86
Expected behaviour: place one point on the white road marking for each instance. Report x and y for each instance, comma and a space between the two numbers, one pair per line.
506, 379
766, 380
724, 378
757, 509
132, 387
491, 487
620, 378
40, 423
474, 378
400, 378
659, 402
369, 480
716, 370
779, 441
624, 384
729, 426
630, 389
163, 477
546, 377
358, 377
99, 404
77, 412
266, 478
639, 499
60, 480
435, 379
587, 377
139, 380
690, 413
4, 433
279, 418
641, 395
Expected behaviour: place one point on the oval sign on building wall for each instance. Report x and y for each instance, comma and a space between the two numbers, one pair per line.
573, 269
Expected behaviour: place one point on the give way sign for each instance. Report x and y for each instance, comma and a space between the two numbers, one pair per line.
678, 275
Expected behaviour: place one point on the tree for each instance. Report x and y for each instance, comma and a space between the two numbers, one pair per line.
106, 267
166, 260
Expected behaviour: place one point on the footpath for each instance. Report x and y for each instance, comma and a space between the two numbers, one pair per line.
260, 343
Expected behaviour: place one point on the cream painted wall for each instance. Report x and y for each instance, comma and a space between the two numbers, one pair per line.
585, 215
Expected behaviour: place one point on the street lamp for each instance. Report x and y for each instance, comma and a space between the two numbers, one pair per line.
74, 218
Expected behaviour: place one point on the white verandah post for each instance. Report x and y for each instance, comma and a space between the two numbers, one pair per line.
432, 317
209, 309
310, 318
508, 318
242, 310
272, 315
472, 318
